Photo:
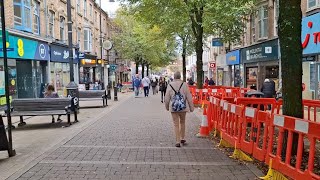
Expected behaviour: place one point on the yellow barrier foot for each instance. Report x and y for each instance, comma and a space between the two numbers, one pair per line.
238, 154
273, 174
225, 144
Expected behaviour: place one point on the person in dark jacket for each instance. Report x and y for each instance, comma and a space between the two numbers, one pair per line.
211, 82
190, 82
268, 88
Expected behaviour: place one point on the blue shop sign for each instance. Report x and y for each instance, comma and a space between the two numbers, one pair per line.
310, 35
233, 57
61, 54
27, 49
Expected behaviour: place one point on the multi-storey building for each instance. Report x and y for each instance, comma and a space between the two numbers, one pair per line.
257, 56
38, 38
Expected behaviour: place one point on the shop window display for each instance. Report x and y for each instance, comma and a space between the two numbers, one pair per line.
60, 77
252, 75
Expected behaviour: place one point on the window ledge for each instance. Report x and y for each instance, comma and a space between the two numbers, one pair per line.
79, 14
64, 1
313, 8
85, 18
262, 39
91, 22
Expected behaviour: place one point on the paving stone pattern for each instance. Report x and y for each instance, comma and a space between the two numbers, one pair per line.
136, 141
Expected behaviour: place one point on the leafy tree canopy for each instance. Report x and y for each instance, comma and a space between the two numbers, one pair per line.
140, 41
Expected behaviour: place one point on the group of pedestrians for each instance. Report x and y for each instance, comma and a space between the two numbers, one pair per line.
146, 84
176, 96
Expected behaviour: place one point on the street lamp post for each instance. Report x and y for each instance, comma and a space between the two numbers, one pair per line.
72, 87
11, 151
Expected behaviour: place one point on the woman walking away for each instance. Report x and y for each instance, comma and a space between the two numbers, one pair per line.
50, 93
178, 101
154, 84
162, 87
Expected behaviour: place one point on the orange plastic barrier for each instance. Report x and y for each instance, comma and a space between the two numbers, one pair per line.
231, 92
261, 139
305, 129
251, 128
311, 106
248, 133
231, 131
260, 103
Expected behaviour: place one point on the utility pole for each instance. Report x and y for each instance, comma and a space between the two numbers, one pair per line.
6, 143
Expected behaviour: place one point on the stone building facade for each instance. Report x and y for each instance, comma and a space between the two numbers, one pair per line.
38, 36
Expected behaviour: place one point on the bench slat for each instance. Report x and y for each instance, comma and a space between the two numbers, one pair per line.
40, 104
37, 113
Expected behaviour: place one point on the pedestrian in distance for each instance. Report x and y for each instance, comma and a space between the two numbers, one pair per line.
206, 81
50, 93
154, 84
268, 89
146, 86
136, 85
211, 82
190, 82
178, 100
162, 87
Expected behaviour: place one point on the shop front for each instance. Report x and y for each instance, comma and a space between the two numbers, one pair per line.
260, 61
233, 61
27, 66
91, 72
60, 67
311, 50
222, 71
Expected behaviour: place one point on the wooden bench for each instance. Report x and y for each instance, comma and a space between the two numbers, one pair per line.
43, 107
91, 95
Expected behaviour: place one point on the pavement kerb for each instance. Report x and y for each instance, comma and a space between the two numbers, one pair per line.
74, 132
250, 166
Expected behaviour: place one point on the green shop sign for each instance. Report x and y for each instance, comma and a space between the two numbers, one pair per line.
265, 51
23, 48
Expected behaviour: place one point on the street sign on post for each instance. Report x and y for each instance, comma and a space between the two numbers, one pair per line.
212, 65
113, 67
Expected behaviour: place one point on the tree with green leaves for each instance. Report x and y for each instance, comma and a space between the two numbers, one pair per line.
202, 17
141, 42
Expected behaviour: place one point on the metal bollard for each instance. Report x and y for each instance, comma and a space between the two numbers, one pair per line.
109, 92
115, 94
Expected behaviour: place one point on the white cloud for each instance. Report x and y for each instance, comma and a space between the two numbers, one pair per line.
110, 7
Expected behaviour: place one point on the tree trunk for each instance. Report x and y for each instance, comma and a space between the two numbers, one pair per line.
199, 53
137, 67
184, 54
291, 61
148, 70
143, 70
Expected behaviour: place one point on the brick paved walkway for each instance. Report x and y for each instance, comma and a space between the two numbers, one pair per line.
136, 141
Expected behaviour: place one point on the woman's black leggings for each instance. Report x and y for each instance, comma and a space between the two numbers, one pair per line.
163, 93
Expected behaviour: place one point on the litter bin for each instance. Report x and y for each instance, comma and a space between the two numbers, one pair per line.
73, 93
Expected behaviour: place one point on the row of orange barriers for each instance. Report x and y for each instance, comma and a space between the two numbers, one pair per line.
255, 128
201, 96
260, 134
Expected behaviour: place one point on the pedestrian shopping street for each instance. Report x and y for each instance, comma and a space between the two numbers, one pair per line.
135, 140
